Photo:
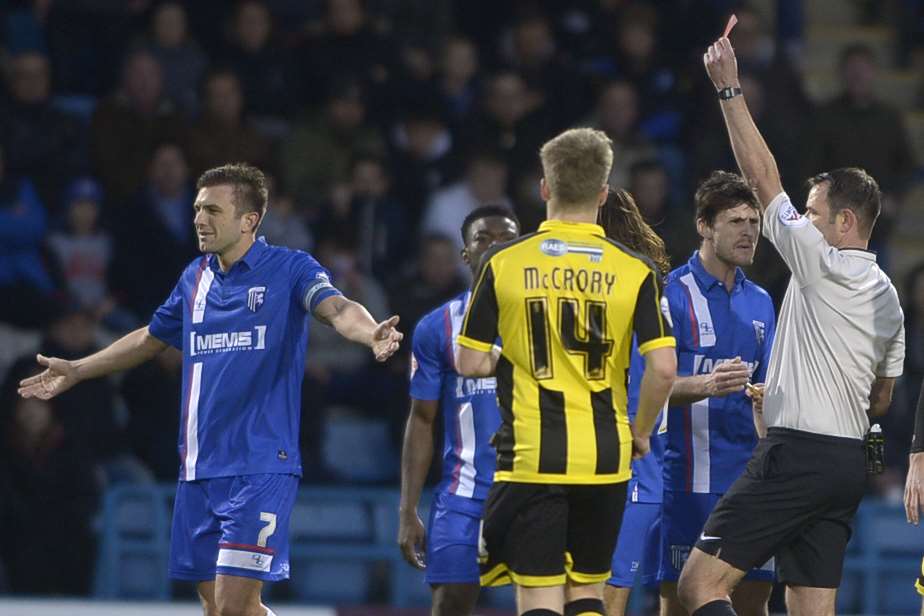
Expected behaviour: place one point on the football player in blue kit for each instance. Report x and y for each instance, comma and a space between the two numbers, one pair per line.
448, 547
240, 315
637, 548
724, 325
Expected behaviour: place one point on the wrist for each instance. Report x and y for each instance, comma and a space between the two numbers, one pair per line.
727, 93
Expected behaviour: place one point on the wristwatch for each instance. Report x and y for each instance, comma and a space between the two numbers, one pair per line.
729, 93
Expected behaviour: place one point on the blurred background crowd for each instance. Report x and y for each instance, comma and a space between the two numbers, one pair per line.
382, 123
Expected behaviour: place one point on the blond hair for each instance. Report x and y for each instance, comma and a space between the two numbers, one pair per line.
576, 165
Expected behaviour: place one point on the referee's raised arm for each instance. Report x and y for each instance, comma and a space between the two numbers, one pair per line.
751, 152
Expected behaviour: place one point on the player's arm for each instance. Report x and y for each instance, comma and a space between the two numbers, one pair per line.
726, 378
60, 374
352, 321
657, 345
751, 152
914, 483
476, 356
416, 456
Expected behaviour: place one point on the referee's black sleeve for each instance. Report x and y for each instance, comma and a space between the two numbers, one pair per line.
652, 329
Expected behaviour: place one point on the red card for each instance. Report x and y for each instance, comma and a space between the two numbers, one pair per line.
731, 24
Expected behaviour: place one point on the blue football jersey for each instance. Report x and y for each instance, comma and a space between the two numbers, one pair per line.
647, 483
243, 335
469, 406
709, 442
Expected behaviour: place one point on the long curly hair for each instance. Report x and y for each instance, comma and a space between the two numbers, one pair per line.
622, 221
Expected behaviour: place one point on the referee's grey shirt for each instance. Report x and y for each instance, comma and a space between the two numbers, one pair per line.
841, 326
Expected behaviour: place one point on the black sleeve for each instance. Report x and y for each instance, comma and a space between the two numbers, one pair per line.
650, 322
481, 317
917, 442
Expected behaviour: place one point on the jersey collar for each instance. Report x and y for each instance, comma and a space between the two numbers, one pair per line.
250, 258
574, 227
707, 280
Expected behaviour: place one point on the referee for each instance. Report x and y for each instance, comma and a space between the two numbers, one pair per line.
839, 347
565, 301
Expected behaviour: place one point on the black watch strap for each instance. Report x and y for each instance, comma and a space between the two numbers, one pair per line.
729, 93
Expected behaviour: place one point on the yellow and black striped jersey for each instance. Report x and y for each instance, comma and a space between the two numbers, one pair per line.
564, 302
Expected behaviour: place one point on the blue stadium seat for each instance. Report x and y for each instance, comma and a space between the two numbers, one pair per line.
358, 449
332, 582
892, 534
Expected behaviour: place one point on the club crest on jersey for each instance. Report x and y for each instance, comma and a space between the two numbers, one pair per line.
760, 330
255, 296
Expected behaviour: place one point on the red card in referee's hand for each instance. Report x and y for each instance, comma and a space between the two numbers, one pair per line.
731, 24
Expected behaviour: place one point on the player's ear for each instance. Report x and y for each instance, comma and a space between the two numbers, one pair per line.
466, 258
544, 191
704, 230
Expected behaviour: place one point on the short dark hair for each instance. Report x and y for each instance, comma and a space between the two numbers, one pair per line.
247, 183
851, 188
723, 191
486, 211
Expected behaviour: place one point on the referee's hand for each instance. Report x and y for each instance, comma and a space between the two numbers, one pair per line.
914, 488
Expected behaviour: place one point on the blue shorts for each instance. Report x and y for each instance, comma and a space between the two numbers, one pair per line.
232, 526
452, 539
638, 546
682, 519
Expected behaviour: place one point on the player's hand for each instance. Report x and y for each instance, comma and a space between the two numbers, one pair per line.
721, 64
728, 377
59, 376
386, 339
914, 488
641, 445
412, 538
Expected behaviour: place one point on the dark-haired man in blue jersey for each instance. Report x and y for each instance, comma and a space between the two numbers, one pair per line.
240, 315
449, 552
724, 325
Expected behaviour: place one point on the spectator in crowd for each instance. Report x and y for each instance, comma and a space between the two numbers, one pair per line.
127, 127
334, 367
432, 280
617, 115
162, 213
347, 46
50, 496
650, 185
283, 225
485, 183
458, 81
423, 158
508, 122
527, 197
857, 129
221, 134
259, 62
534, 55
180, 57
150, 392
638, 61
40, 142
84, 251
365, 215
317, 154
898, 424
88, 413
25, 280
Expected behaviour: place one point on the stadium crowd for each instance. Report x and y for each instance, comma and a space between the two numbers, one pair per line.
382, 125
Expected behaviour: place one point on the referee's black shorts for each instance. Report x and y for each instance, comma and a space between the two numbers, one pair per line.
536, 534
796, 501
